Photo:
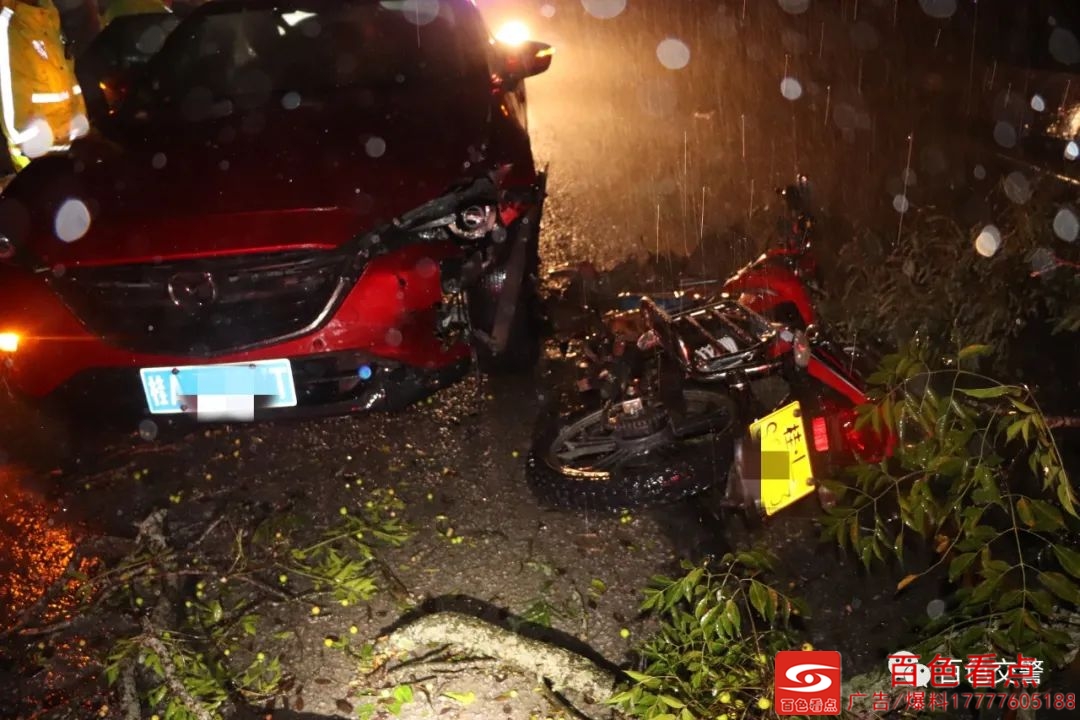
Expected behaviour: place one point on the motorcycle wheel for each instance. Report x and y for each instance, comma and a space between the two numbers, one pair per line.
576, 461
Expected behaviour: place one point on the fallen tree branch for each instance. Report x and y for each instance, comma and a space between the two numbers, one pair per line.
564, 669
129, 693
152, 642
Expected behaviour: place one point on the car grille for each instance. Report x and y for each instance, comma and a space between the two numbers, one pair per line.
207, 306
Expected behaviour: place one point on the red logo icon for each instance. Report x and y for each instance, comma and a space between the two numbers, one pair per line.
807, 682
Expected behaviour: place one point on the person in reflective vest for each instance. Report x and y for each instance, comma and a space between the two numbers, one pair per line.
41, 104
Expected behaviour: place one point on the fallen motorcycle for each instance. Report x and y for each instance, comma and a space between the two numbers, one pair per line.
669, 405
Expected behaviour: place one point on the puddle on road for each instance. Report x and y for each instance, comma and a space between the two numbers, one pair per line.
35, 542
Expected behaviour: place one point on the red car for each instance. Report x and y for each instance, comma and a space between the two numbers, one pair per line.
320, 205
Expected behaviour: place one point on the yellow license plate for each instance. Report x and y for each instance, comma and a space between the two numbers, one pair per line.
786, 473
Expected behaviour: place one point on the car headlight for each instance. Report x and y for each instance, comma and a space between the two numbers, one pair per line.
470, 223
474, 222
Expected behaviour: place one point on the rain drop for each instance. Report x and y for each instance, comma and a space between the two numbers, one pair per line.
988, 242
909, 177
393, 337
980, 172
791, 88
1018, 187
375, 146
159, 160
224, 164
673, 54
864, 36
39, 139
939, 9
1037, 103
933, 160
80, 125
1066, 224
604, 9
418, 12
1005, 134
151, 40
1072, 150
1064, 46
72, 220
935, 608
58, 270
290, 100
900, 204
148, 430
795, 7
427, 268
547, 10
794, 42
1043, 260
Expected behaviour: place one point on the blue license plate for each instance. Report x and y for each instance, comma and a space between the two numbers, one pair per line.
219, 389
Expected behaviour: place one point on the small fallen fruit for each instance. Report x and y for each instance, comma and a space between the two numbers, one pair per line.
353, 629
260, 657
328, 642
344, 510
283, 578
725, 697
624, 633
315, 610
763, 704
807, 647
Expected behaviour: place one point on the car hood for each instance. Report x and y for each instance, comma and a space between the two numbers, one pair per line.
287, 179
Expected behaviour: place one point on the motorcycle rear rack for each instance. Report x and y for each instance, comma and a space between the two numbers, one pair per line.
674, 331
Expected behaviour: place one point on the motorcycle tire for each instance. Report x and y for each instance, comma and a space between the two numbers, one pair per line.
683, 468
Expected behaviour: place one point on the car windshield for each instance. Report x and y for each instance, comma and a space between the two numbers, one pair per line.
247, 57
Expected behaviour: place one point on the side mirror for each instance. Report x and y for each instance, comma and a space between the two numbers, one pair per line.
526, 59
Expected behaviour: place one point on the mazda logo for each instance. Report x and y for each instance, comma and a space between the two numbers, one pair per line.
192, 291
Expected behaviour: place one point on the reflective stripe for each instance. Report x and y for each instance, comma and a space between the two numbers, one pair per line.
53, 97
7, 93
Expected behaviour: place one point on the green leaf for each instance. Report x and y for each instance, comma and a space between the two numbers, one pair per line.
686, 715
972, 351
959, 564
1023, 509
1060, 586
1069, 559
1014, 429
986, 392
672, 702
465, 698
733, 616
1047, 517
403, 693
759, 597
1021, 406
1065, 497
646, 680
